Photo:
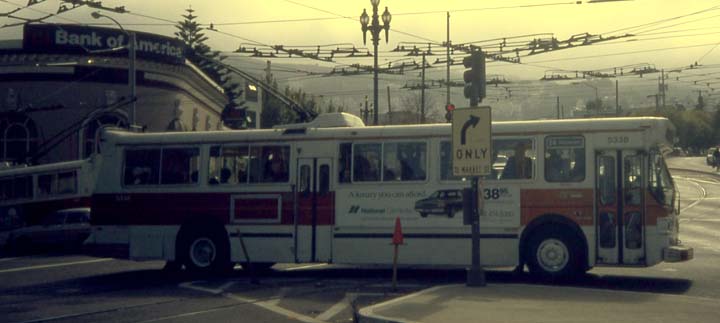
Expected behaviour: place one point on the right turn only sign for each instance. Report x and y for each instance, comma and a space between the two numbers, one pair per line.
471, 141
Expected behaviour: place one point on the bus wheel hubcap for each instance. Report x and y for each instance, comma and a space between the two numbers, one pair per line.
552, 255
202, 252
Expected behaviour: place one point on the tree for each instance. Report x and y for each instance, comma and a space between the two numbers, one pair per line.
715, 125
411, 105
275, 112
191, 33
594, 106
701, 102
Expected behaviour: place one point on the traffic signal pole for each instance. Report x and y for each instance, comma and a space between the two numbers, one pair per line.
475, 91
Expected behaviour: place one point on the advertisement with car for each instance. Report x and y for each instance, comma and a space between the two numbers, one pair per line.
436, 207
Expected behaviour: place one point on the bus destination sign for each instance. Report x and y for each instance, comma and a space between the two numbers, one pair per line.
471, 141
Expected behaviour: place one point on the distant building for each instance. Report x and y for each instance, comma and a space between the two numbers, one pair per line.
61, 84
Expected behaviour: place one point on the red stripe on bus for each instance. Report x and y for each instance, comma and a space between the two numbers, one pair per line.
574, 204
176, 208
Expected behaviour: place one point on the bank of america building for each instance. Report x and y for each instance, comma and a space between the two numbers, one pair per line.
61, 84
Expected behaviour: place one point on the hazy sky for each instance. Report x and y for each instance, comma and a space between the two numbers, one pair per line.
274, 22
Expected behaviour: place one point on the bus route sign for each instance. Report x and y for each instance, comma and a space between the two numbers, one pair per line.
471, 141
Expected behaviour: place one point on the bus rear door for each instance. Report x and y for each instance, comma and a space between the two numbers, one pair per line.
315, 210
620, 190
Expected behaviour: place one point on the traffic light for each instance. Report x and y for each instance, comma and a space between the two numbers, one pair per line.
475, 77
449, 108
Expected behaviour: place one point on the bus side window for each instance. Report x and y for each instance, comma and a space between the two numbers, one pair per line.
520, 158
564, 159
178, 164
632, 182
142, 167
6, 188
304, 185
228, 165
404, 161
23, 187
46, 185
324, 180
270, 164
366, 162
344, 163
67, 183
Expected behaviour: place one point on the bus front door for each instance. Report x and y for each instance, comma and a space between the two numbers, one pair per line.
315, 209
620, 191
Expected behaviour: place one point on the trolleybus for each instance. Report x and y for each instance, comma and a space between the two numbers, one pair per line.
28, 194
567, 195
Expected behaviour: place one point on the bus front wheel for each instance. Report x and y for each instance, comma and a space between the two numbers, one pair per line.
206, 251
553, 255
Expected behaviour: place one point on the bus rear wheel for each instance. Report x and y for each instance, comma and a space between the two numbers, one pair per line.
553, 255
206, 251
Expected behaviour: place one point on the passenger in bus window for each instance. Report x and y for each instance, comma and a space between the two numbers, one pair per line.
578, 169
518, 165
140, 175
374, 167
242, 175
225, 174
557, 168
277, 172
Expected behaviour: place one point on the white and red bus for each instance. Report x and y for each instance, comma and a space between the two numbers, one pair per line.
28, 194
564, 196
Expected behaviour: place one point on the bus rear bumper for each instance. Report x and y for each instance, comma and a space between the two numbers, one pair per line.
677, 253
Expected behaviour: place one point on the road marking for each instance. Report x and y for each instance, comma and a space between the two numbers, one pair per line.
6, 259
277, 298
270, 305
338, 307
55, 265
214, 291
703, 195
305, 267
274, 308
386, 285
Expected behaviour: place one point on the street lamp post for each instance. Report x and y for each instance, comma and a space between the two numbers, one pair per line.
375, 27
131, 63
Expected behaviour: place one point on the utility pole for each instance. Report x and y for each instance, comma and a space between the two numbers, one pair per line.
422, 92
447, 74
558, 107
617, 99
268, 72
657, 102
389, 107
367, 111
662, 86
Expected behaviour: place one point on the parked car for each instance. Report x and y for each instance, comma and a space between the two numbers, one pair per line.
442, 202
66, 228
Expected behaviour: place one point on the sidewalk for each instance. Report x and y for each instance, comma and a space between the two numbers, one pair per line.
532, 303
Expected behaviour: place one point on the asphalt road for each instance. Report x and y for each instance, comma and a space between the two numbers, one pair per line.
76, 288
